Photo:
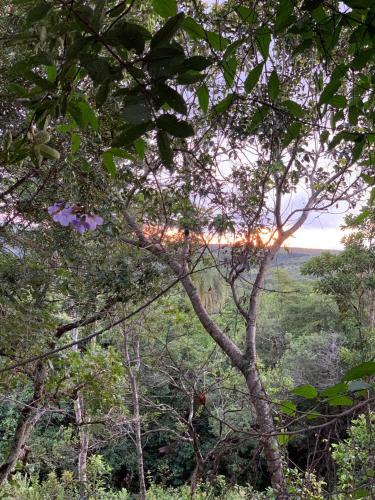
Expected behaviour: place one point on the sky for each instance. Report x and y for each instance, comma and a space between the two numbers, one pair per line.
321, 231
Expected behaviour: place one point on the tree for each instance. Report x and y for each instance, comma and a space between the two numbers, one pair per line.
285, 130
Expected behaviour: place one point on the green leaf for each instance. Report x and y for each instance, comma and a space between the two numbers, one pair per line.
337, 101
42, 83
88, 115
253, 77
282, 439
273, 85
217, 41
48, 152
190, 77
128, 35
193, 29
229, 68
329, 90
263, 40
284, 15
324, 136
306, 391
165, 61
38, 12
341, 136
97, 67
294, 108
369, 179
195, 63
109, 164
288, 407
136, 109
246, 14
223, 105
85, 166
362, 493
164, 145
203, 97
340, 401
359, 4
75, 143
172, 98
51, 72
130, 133
140, 147
165, 8
358, 148
175, 127
353, 114
363, 370
292, 133
362, 59
121, 153
334, 390
258, 118
102, 94
167, 32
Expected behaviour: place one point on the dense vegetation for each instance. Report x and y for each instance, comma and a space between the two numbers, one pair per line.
158, 338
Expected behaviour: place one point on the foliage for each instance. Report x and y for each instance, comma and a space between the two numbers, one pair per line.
354, 457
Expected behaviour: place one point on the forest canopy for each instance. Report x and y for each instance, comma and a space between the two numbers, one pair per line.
159, 338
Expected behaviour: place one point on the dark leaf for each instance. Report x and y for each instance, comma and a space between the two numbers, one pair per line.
273, 85
175, 127
136, 109
193, 29
284, 15
294, 108
165, 8
164, 145
253, 77
363, 370
38, 12
292, 133
263, 40
195, 63
246, 14
190, 77
223, 105
230, 67
258, 118
167, 32
203, 97
109, 164
172, 98
131, 133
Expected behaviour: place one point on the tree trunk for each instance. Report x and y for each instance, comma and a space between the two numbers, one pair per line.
79, 410
84, 438
30, 415
266, 426
133, 371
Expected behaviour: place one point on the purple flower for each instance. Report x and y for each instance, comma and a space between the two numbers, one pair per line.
92, 221
66, 214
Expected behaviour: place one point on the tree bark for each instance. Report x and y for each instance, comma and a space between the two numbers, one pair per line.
133, 371
244, 362
84, 438
30, 414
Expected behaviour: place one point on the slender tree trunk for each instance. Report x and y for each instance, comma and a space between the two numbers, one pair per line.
133, 371
245, 362
258, 395
30, 414
84, 438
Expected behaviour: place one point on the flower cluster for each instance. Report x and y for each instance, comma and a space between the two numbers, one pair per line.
66, 214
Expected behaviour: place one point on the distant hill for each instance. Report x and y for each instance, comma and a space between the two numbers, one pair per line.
292, 259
